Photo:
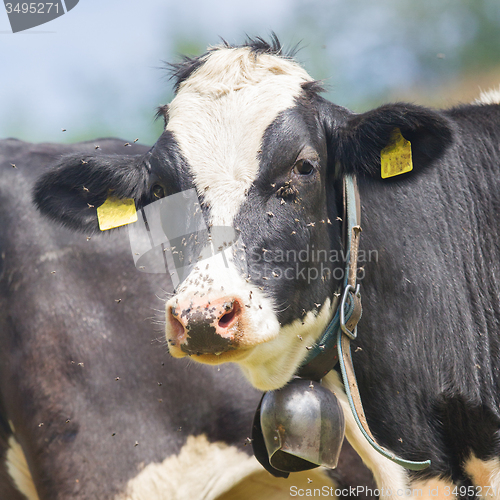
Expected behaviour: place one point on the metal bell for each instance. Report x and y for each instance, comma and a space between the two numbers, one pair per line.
302, 426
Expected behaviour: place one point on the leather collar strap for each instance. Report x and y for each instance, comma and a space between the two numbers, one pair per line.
324, 354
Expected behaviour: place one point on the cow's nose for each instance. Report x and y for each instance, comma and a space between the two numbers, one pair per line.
205, 327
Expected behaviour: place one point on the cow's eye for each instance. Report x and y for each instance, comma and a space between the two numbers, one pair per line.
158, 191
303, 167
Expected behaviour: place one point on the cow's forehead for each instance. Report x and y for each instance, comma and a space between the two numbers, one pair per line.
219, 117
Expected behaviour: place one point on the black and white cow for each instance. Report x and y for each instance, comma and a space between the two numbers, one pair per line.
91, 406
266, 154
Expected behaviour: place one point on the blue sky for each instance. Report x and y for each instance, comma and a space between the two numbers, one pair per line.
96, 71
100, 64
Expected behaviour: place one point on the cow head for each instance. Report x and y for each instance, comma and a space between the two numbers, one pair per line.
265, 153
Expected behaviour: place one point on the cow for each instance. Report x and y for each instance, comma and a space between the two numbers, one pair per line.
267, 156
91, 404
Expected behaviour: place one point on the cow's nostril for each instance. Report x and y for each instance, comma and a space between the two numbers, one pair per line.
226, 320
231, 315
178, 327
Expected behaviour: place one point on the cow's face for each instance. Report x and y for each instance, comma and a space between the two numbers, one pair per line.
265, 153
252, 142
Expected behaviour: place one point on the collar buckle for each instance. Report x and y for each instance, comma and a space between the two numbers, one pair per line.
350, 315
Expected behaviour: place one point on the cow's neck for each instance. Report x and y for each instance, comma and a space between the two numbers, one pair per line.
323, 355
334, 344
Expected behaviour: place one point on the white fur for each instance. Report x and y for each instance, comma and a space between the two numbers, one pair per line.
217, 281
389, 476
435, 488
271, 365
209, 471
268, 354
484, 475
219, 117
17, 467
491, 96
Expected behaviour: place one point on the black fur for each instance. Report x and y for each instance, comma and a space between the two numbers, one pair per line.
314, 87
74, 315
360, 140
304, 197
78, 184
64, 339
162, 111
428, 364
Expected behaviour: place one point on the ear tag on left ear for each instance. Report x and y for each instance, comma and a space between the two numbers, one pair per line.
115, 212
395, 158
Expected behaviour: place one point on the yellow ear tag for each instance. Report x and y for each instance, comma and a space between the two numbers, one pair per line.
115, 212
396, 156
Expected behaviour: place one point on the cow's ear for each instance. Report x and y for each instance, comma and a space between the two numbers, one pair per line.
72, 190
366, 138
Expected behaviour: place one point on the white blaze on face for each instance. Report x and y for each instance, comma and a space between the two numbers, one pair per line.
219, 117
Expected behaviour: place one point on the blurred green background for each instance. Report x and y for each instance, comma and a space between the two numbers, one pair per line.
99, 69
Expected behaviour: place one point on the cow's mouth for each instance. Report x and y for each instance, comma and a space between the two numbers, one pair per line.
234, 355
210, 358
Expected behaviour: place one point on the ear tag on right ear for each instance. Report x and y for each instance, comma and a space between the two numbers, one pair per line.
395, 158
115, 212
